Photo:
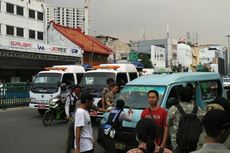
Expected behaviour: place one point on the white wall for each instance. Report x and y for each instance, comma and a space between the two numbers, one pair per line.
158, 56
184, 55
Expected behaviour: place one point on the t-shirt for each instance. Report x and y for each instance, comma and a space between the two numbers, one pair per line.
160, 117
82, 119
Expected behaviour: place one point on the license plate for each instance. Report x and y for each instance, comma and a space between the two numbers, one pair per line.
120, 146
41, 106
93, 113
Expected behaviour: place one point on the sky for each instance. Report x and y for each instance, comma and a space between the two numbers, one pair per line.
148, 19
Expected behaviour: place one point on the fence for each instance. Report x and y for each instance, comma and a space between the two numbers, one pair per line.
14, 94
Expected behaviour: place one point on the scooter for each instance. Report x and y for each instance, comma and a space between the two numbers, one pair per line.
56, 109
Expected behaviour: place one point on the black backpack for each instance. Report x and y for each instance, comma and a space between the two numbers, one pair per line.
189, 130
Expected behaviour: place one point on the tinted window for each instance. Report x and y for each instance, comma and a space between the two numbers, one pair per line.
132, 76
9, 8
19, 10
31, 14
79, 77
20, 32
68, 79
32, 34
9, 30
121, 78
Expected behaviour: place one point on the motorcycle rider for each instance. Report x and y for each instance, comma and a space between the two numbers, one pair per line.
71, 100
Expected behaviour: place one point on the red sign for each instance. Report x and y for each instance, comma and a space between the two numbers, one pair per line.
20, 44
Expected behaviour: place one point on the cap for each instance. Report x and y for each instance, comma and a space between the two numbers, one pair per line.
216, 119
86, 95
222, 102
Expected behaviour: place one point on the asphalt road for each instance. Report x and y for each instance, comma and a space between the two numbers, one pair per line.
22, 131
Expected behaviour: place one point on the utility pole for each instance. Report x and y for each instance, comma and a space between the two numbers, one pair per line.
228, 55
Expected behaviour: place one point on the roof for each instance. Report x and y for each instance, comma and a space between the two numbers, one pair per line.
121, 68
86, 42
166, 79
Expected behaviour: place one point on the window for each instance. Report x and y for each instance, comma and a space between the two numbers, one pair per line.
40, 16
9, 8
132, 75
210, 89
19, 10
68, 79
79, 76
32, 34
9, 30
40, 35
31, 14
121, 79
20, 32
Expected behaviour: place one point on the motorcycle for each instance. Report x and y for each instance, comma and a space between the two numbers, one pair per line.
56, 109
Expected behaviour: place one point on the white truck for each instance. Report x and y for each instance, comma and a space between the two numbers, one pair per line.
45, 85
96, 80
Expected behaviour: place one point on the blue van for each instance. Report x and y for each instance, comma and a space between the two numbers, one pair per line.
206, 86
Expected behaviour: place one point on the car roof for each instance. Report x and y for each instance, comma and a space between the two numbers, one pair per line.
166, 79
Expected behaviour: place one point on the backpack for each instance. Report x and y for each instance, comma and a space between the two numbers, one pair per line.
189, 130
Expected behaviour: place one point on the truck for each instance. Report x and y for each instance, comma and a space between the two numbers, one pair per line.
46, 84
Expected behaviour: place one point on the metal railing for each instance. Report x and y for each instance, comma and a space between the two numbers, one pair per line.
14, 94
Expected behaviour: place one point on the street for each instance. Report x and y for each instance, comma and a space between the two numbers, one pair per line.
22, 131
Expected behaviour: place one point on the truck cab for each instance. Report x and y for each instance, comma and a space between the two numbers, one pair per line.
45, 85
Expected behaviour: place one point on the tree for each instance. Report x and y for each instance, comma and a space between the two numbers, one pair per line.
146, 61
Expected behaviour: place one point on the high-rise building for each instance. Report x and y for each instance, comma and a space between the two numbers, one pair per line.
71, 17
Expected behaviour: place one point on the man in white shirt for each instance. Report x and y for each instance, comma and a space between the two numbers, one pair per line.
83, 128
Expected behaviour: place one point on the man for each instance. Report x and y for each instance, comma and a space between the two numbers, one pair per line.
83, 128
71, 100
217, 128
159, 115
109, 81
174, 116
110, 96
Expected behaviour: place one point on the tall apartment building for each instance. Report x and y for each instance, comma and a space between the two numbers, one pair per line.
71, 17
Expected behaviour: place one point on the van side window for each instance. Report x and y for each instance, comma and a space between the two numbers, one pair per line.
132, 76
68, 78
121, 78
209, 89
79, 76
173, 98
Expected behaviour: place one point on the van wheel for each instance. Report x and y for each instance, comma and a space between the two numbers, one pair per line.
41, 111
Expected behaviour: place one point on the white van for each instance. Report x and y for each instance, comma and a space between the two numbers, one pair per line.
45, 85
96, 79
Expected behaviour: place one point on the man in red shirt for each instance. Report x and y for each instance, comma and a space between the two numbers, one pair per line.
159, 115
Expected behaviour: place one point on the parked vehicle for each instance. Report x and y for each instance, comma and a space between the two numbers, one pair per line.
226, 82
45, 85
56, 109
96, 80
206, 86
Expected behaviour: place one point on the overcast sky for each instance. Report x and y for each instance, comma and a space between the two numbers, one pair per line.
127, 19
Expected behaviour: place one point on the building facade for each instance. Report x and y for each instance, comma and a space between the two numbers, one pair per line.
70, 17
158, 57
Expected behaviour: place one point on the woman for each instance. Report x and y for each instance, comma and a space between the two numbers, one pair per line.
146, 134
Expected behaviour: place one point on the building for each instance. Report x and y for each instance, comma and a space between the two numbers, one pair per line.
70, 17
94, 52
184, 56
120, 49
158, 57
23, 41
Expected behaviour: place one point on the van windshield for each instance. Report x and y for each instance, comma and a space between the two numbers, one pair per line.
96, 80
136, 96
46, 83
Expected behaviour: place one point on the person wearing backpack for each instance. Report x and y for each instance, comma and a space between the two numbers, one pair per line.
184, 122
146, 135
108, 131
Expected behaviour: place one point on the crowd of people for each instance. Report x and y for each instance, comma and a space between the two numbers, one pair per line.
183, 128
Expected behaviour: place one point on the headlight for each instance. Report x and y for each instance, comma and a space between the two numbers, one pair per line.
53, 101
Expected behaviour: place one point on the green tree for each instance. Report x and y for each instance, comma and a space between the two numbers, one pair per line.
145, 59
